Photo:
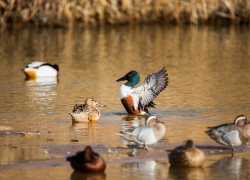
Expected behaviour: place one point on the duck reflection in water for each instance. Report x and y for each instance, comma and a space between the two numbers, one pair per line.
151, 168
41, 90
85, 129
131, 121
192, 173
88, 176
231, 168
42, 81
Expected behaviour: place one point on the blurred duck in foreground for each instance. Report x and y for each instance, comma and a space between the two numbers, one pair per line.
86, 112
137, 100
187, 155
87, 161
151, 133
231, 134
41, 69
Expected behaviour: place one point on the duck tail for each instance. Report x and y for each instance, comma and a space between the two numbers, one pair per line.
69, 158
208, 132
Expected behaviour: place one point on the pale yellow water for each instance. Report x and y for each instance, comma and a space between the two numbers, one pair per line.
209, 84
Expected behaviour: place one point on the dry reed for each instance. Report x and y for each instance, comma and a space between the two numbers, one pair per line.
98, 12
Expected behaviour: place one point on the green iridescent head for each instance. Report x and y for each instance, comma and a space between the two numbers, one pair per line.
132, 77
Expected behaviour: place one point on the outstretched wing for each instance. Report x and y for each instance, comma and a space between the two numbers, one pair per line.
151, 87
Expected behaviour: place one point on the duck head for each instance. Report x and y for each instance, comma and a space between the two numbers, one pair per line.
93, 102
240, 121
56, 67
189, 144
87, 161
132, 77
152, 120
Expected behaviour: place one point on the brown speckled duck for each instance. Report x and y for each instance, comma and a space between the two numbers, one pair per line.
86, 112
187, 155
87, 161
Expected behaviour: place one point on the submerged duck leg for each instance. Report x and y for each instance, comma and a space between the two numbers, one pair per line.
233, 150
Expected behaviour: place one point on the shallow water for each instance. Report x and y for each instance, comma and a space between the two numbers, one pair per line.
209, 84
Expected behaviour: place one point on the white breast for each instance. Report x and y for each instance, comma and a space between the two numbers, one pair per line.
232, 138
125, 91
147, 135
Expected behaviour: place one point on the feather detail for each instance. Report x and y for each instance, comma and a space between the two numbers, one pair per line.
151, 87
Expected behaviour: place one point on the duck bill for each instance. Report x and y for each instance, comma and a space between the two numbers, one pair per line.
121, 79
157, 121
100, 104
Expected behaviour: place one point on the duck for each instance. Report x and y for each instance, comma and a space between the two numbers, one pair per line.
86, 112
231, 134
41, 69
138, 100
187, 155
150, 133
87, 161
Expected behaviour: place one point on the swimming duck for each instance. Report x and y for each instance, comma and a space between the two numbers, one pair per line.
87, 161
231, 134
151, 133
137, 100
86, 112
41, 69
187, 155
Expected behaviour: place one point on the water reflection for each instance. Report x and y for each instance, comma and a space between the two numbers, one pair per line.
131, 121
87, 130
147, 168
231, 168
186, 173
46, 81
87, 176
41, 91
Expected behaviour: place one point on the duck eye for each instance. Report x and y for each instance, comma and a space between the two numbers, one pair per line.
129, 75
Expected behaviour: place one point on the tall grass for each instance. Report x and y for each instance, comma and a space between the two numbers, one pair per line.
98, 12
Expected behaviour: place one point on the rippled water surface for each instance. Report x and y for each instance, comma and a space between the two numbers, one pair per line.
209, 84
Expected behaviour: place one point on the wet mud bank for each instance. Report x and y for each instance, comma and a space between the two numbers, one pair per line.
117, 153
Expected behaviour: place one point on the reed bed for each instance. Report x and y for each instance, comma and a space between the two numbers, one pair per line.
99, 12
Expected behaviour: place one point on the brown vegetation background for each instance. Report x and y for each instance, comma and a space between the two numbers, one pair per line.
98, 12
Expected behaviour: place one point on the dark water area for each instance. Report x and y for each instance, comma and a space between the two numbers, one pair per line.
209, 83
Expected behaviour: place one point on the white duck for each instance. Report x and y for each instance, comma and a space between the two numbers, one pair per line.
41, 69
151, 133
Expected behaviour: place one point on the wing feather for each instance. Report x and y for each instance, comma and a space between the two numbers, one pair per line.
151, 87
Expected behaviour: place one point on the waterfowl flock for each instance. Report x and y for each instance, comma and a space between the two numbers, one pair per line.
138, 101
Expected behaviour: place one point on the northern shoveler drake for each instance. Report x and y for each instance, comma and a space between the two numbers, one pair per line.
137, 100
231, 134
86, 112
151, 133
187, 155
87, 161
41, 69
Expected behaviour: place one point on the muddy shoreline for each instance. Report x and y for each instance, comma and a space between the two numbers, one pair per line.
116, 153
